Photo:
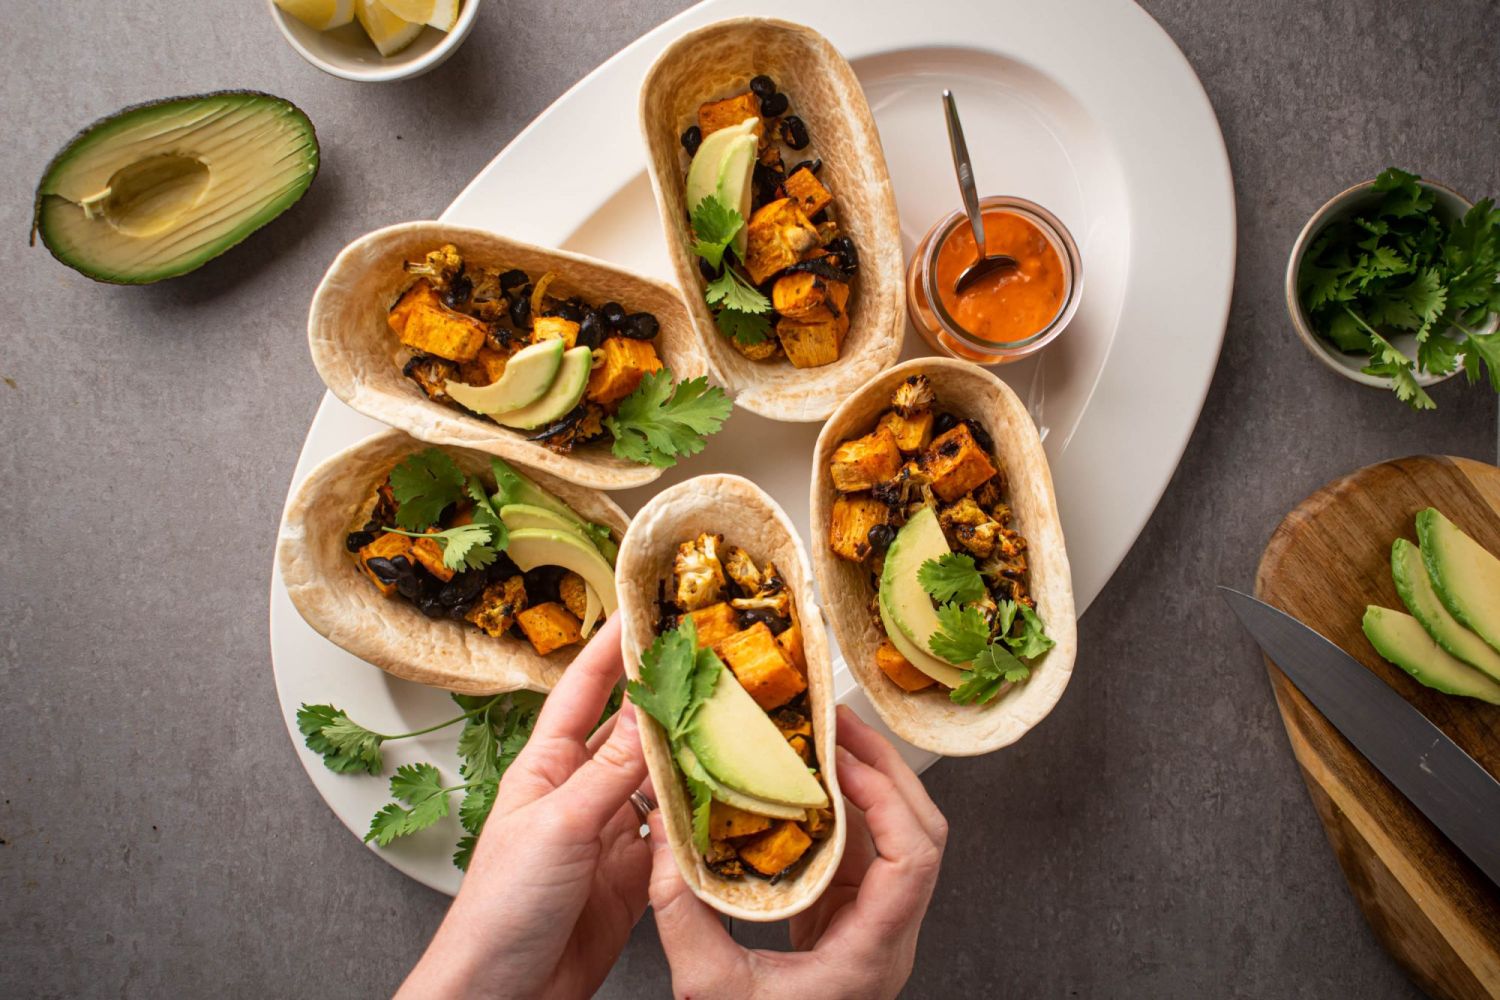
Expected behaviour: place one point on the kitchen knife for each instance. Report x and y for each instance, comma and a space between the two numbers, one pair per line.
1446, 784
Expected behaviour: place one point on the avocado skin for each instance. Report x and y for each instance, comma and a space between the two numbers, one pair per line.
60, 157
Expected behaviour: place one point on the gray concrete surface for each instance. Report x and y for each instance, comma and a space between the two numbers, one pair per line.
157, 836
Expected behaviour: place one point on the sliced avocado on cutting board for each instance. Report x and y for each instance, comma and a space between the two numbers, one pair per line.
1415, 587
688, 761
528, 375
905, 609
565, 392
1465, 575
1402, 640
741, 748
159, 189
529, 548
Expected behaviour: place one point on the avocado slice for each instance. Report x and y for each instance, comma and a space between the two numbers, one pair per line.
905, 609
708, 163
566, 390
160, 189
520, 515
1465, 575
529, 548
735, 189
688, 761
741, 748
1402, 640
528, 375
1415, 587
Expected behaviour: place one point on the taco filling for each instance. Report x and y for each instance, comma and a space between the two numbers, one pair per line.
504, 556
558, 370
922, 504
779, 276
726, 678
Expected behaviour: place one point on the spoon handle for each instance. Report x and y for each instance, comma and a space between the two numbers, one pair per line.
965, 171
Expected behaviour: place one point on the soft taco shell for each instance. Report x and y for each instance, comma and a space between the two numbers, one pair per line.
341, 604
356, 352
717, 61
747, 517
927, 718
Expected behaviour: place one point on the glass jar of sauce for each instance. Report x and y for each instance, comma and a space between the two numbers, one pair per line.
1003, 316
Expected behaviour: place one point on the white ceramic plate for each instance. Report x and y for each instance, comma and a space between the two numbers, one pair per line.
1083, 105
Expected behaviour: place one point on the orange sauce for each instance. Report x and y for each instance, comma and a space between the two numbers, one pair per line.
1009, 305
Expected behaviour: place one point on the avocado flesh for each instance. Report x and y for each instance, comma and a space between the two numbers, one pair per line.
688, 761
905, 609
1415, 587
741, 748
708, 163
160, 189
564, 393
529, 548
1402, 640
735, 189
526, 378
1465, 575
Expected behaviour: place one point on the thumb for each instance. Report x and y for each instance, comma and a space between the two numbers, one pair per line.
691, 934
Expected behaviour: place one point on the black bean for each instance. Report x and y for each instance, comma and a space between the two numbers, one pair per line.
572, 310
460, 611
709, 272
812, 165
747, 617
542, 583
774, 104
501, 569
692, 138
981, 436
357, 540
613, 314
590, 330
513, 278
520, 312
385, 571
762, 86
640, 326
409, 586
463, 587
944, 422
430, 606
881, 536
459, 290
794, 132
403, 565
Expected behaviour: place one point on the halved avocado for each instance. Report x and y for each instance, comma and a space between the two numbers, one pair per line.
159, 189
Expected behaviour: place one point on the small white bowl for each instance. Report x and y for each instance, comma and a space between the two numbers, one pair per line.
347, 52
1351, 366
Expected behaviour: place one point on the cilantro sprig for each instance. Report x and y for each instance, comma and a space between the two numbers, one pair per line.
1402, 266
427, 483
741, 311
423, 485
660, 421
951, 577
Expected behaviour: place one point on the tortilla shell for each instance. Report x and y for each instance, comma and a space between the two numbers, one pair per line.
747, 517
360, 358
715, 62
927, 718
334, 596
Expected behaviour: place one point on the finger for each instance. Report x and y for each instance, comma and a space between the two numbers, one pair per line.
578, 700
602, 785
874, 749
597, 738
691, 934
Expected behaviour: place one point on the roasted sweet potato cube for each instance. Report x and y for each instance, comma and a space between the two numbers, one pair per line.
550, 627
761, 667
812, 345
484, 368
386, 546
726, 821
899, 669
912, 433
715, 623
790, 641
956, 464
554, 328
809, 298
819, 823
797, 729
619, 365
424, 324
429, 552
715, 115
863, 462
808, 192
776, 237
850, 523
574, 594
495, 611
777, 849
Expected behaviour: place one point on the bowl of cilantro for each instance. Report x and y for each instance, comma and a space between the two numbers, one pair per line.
1393, 284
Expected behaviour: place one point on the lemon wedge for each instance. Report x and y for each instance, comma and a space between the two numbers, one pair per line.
441, 14
390, 33
320, 15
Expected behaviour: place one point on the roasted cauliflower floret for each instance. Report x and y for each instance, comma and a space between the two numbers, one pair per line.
913, 396
772, 595
431, 374
495, 611
440, 266
967, 523
697, 573
741, 569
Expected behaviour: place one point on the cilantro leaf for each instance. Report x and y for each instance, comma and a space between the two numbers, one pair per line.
963, 636
465, 546
508, 482
676, 677
1005, 617
604, 541
1484, 347
387, 824
344, 744
1388, 362
702, 808
951, 577
659, 422
715, 225
991, 670
1033, 640
423, 484
730, 291
464, 853
476, 805
485, 513
748, 329
477, 747
420, 786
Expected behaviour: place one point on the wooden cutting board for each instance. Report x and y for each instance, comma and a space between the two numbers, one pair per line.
1430, 907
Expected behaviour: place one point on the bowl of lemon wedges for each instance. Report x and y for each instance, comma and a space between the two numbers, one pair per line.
375, 40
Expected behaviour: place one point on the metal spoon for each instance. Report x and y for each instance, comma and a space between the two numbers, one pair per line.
986, 263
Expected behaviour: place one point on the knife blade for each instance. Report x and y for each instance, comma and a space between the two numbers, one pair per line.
1448, 786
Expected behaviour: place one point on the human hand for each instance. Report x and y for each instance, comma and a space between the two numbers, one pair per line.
860, 938
560, 872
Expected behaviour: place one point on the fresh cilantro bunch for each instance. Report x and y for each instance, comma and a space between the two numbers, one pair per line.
740, 310
1400, 266
676, 678
997, 653
660, 421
